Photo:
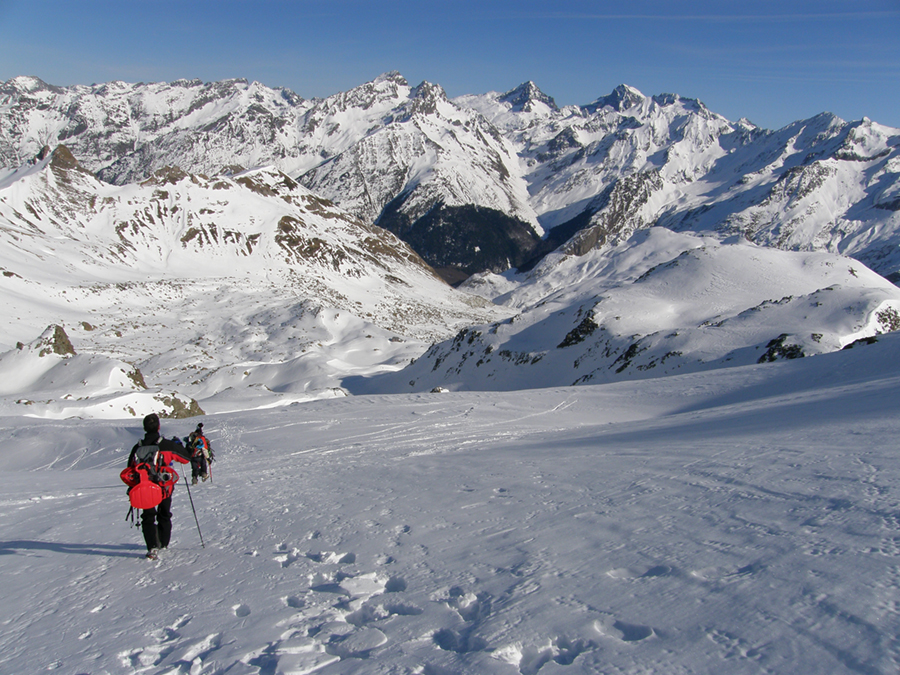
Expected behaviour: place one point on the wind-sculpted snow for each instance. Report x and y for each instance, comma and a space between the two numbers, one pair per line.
742, 520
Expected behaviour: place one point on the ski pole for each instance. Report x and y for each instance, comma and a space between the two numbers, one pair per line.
195, 513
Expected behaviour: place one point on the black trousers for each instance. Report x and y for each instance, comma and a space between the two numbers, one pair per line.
198, 465
156, 524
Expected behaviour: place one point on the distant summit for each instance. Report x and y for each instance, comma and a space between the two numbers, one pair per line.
621, 99
523, 97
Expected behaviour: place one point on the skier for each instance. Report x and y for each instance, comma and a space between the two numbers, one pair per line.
156, 523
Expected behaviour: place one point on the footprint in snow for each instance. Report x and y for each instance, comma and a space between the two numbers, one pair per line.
296, 654
733, 646
146, 657
358, 644
326, 557
630, 573
293, 602
658, 571
530, 660
202, 649
286, 559
164, 635
181, 621
461, 642
470, 606
620, 630
241, 610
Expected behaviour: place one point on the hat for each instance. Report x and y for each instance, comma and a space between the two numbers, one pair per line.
151, 423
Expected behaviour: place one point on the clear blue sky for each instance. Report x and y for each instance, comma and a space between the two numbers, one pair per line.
772, 61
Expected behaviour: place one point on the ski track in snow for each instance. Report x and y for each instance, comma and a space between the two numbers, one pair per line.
635, 529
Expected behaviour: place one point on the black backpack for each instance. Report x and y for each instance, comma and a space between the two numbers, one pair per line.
148, 455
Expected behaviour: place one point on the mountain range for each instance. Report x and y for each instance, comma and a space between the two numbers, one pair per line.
232, 245
492, 181
649, 426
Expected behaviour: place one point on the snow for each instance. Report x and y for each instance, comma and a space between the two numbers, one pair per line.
816, 184
736, 521
728, 518
659, 303
196, 283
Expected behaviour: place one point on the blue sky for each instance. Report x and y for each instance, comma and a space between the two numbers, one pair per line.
772, 61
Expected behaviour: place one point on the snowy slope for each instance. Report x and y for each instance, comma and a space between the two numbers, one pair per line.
734, 521
208, 284
247, 290
660, 303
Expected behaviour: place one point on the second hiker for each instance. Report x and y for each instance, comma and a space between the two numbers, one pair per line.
201, 454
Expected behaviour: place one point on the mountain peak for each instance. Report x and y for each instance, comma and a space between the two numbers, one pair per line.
425, 98
427, 90
196, 82
167, 175
62, 158
383, 89
525, 95
52, 341
28, 84
664, 100
393, 77
620, 99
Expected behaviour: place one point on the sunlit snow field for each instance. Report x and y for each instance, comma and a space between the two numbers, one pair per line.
744, 520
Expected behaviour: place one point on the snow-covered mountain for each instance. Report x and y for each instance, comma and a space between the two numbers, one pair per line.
205, 284
384, 150
629, 161
660, 303
674, 241
472, 182
126, 132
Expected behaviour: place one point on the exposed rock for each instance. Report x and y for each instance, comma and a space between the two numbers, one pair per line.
55, 341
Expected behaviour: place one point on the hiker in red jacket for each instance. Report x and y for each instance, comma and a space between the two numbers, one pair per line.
156, 522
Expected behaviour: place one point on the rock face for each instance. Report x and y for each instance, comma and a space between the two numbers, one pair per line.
55, 341
474, 182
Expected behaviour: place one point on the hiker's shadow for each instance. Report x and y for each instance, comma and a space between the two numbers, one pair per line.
21, 546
